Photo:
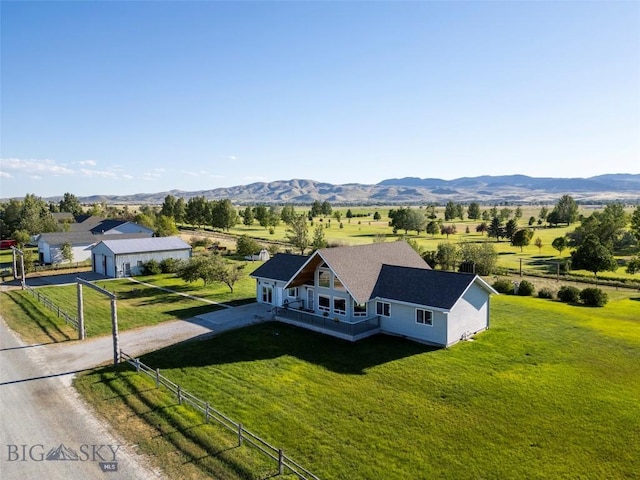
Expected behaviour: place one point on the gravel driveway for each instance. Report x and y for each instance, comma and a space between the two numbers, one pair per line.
46, 430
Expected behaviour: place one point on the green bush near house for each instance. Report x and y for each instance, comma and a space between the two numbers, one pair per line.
526, 288
594, 297
503, 286
569, 294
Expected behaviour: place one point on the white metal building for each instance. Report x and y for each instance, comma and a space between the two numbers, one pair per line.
123, 258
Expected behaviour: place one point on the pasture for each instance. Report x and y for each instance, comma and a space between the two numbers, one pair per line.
549, 391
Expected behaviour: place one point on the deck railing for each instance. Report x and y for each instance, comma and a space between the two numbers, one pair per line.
333, 324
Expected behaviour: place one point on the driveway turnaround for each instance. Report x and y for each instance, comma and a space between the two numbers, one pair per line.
47, 431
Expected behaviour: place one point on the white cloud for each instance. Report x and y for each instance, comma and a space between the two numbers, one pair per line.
92, 163
232, 157
33, 166
127, 177
5, 174
97, 173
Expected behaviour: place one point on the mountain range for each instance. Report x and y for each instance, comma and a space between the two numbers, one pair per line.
411, 190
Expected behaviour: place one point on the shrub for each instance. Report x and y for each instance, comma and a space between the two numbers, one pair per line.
170, 265
526, 288
568, 294
152, 267
546, 293
594, 297
200, 242
503, 286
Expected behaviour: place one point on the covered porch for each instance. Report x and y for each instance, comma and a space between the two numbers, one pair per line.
352, 331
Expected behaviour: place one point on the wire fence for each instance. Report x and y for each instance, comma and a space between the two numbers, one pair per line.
243, 435
51, 305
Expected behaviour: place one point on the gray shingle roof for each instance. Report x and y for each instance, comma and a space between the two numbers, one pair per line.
281, 267
82, 238
434, 288
145, 244
358, 267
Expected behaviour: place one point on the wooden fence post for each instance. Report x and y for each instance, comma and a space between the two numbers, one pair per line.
157, 377
239, 434
280, 462
137, 365
179, 395
206, 413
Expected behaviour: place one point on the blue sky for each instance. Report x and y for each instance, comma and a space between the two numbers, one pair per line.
131, 97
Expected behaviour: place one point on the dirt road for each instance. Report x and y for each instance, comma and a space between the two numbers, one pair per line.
46, 430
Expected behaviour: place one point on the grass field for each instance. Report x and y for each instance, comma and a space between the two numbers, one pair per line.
138, 305
362, 230
549, 391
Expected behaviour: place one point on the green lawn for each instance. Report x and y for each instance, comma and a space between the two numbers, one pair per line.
550, 391
138, 305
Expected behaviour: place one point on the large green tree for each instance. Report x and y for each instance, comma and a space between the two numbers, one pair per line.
522, 238
635, 222
197, 211
223, 214
318, 240
247, 217
593, 256
495, 228
566, 209
298, 233
447, 255
70, 203
473, 212
210, 269
482, 255
165, 226
168, 206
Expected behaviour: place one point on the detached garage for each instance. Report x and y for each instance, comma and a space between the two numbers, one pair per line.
123, 258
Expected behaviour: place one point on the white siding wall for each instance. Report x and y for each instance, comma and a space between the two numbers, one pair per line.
469, 315
133, 259
403, 322
278, 291
45, 249
53, 254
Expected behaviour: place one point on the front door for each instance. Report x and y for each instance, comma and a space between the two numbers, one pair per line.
126, 269
310, 303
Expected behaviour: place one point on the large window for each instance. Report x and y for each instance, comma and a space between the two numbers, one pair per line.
337, 284
324, 278
360, 310
383, 309
324, 303
339, 305
424, 317
292, 292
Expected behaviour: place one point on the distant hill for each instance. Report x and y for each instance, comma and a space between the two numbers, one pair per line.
411, 190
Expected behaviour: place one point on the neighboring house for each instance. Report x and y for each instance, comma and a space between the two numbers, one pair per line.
50, 245
84, 233
355, 292
102, 226
116, 257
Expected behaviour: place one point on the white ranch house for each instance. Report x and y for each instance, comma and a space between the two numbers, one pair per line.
86, 232
122, 258
355, 292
